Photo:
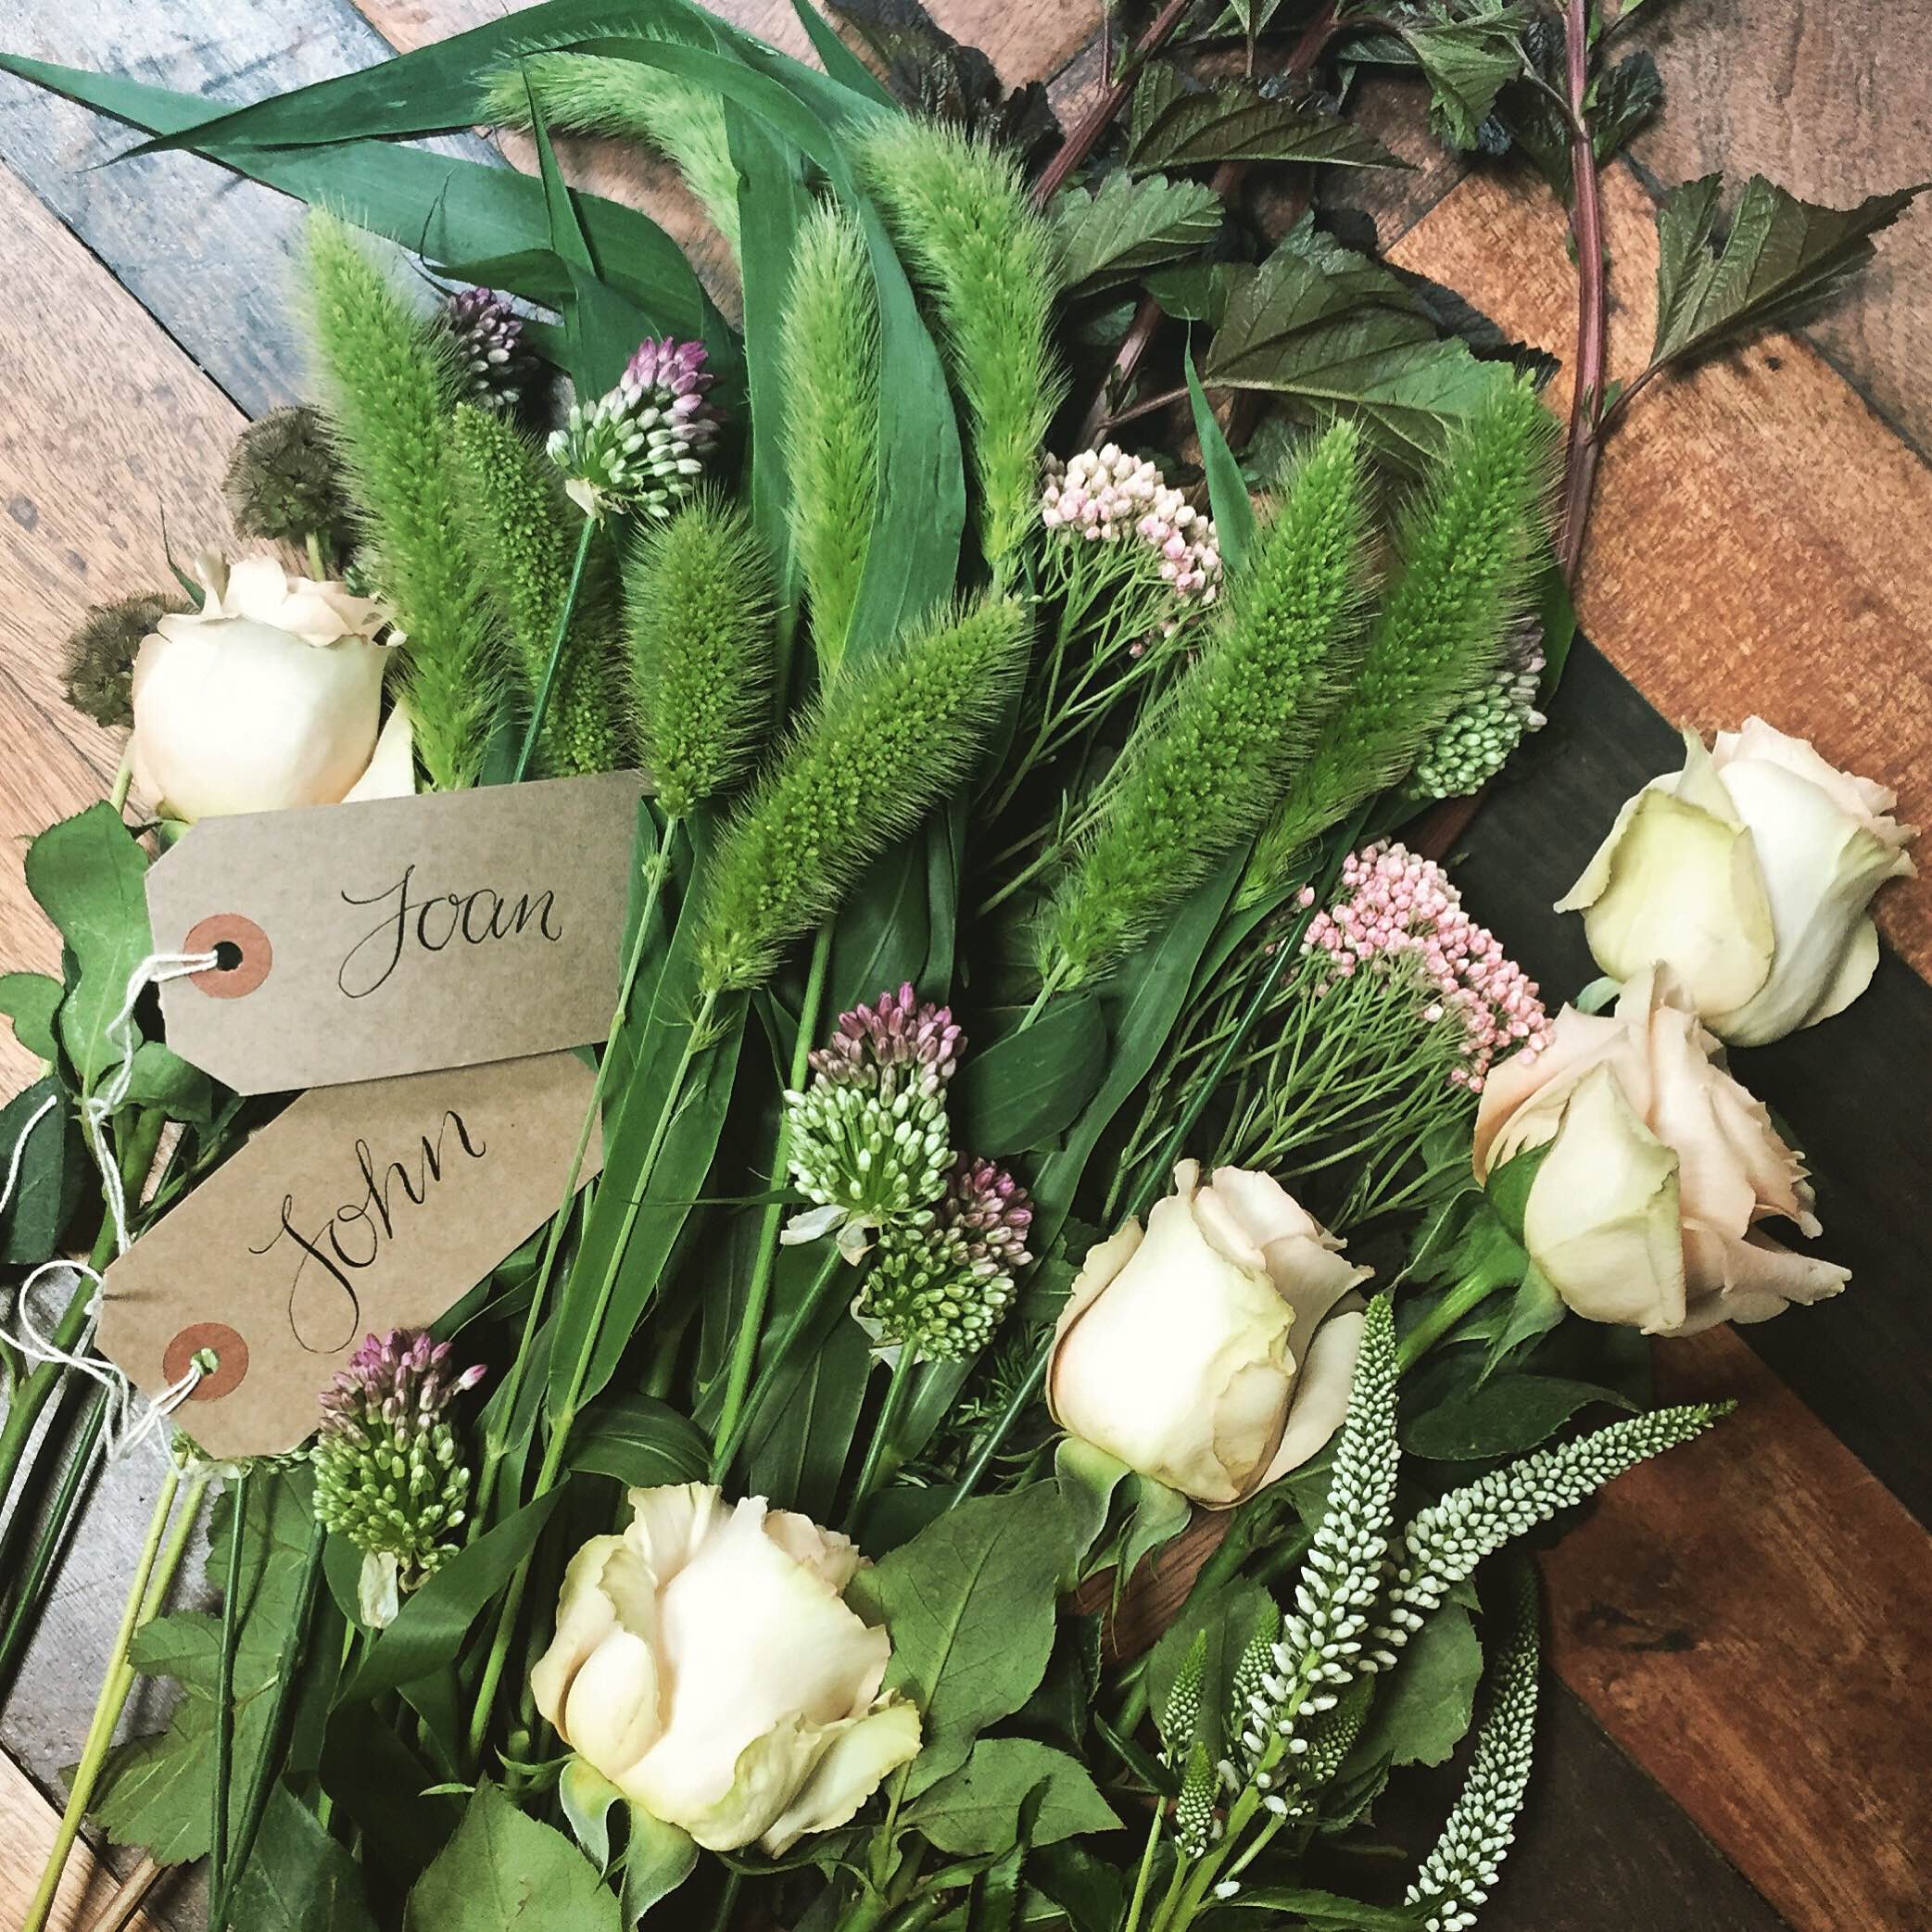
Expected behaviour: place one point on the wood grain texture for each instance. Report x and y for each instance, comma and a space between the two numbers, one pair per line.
1835, 103
1756, 527
1783, 1604
110, 434
27, 1831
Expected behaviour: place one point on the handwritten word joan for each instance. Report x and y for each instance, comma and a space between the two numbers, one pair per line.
352, 1238
433, 922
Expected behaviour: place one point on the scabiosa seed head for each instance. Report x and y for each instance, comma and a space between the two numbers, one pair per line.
388, 1465
498, 365
942, 1283
640, 447
1399, 913
100, 655
870, 1143
284, 480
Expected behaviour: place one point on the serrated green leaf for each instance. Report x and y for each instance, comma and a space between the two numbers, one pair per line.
30, 1001
970, 1606
1425, 1704
297, 1878
1198, 291
503, 1871
1130, 226
1333, 330
1468, 59
1781, 258
1174, 126
977, 1808
658, 1859
1503, 1416
88, 875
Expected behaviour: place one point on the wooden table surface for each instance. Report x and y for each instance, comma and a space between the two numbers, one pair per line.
1742, 1737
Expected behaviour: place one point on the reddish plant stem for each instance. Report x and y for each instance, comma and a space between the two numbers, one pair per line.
1306, 50
1099, 117
1586, 416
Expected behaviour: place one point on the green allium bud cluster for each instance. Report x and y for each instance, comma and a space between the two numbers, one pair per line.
389, 1473
870, 1143
1479, 738
942, 1285
100, 655
285, 482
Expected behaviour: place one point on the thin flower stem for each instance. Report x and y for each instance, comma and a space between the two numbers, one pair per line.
1138, 1903
221, 1872
872, 1471
154, 1573
803, 1316
495, 1445
1438, 1322
744, 1351
540, 704
1585, 446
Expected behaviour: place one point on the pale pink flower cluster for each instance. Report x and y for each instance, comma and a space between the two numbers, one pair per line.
1396, 907
1104, 495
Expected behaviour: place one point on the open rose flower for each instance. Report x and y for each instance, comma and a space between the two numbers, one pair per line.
268, 696
1213, 1352
1661, 1166
706, 1662
1749, 874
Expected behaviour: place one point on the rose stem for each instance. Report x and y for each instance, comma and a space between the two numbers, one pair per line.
806, 1313
220, 1872
154, 1574
1586, 445
744, 1349
541, 702
497, 1440
897, 1388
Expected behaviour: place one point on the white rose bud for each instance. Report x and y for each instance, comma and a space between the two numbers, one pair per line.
268, 696
1645, 1211
706, 1662
1747, 874
1214, 1352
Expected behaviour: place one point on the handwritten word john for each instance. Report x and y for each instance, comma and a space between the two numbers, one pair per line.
353, 1237
434, 922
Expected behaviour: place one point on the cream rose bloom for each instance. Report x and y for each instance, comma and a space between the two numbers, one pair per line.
1213, 1352
706, 1662
268, 696
1661, 1166
1749, 874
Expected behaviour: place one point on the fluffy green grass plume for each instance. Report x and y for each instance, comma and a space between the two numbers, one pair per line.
959, 212
590, 93
524, 533
1205, 767
697, 620
829, 352
888, 739
1465, 554
391, 384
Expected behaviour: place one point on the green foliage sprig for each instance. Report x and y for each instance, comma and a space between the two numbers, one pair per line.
1465, 552
393, 384
590, 93
829, 346
524, 534
959, 212
698, 617
1203, 769
894, 734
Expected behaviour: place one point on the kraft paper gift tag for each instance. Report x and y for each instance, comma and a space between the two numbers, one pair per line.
360, 1209
359, 942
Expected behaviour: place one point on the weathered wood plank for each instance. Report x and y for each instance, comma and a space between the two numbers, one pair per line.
1753, 522
1745, 1618
27, 1824
1833, 103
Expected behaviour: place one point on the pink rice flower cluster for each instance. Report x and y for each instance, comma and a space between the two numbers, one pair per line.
1397, 907
1105, 496
869, 1045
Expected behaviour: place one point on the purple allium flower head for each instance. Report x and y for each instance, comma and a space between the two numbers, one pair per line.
639, 447
498, 363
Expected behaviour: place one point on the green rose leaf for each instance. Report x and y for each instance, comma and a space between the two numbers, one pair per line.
1780, 260
87, 873
1426, 1703
54, 1172
970, 1606
1503, 1416
505, 1872
297, 1878
977, 1808
30, 1001
1131, 225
